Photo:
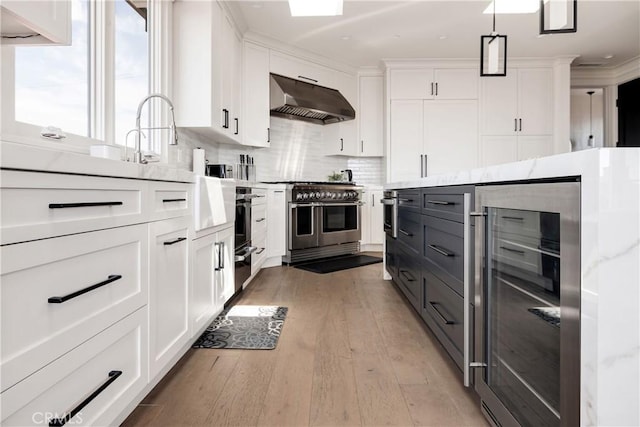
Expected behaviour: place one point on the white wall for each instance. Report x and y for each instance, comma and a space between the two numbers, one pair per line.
297, 152
580, 118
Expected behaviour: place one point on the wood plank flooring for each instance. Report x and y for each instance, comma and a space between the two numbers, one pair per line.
352, 352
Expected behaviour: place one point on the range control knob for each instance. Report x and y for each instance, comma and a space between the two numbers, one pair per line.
299, 196
317, 194
305, 196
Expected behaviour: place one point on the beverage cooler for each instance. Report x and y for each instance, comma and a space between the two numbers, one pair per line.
527, 311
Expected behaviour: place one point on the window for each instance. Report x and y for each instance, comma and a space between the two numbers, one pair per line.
131, 71
52, 82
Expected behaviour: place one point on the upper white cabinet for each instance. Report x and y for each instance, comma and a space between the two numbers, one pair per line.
207, 58
48, 20
342, 138
371, 116
299, 69
517, 115
256, 119
434, 83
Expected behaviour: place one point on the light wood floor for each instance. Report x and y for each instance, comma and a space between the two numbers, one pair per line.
352, 352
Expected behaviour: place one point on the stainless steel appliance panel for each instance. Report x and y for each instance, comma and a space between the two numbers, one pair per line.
303, 229
339, 223
527, 274
390, 217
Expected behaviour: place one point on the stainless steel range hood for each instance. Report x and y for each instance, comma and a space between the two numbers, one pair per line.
298, 100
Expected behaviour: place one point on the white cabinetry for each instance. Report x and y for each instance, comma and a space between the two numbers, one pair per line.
258, 228
299, 69
207, 61
276, 226
342, 138
372, 217
370, 116
169, 293
255, 92
434, 83
49, 19
431, 137
517, 115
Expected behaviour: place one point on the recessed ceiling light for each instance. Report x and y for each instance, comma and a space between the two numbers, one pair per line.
513, 6
609, 56
315, 7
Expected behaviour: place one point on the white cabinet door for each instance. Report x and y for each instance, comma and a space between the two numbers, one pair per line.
276, 223
376, 218
535, 101
456, 83
299, 69
224, 273
168, 291
341, 138
412, 84
499, 104
365, 218
49, 18
255, 117
236, 84
495, 150
532, 147
450, 136
371, 116
406, 140
203, 305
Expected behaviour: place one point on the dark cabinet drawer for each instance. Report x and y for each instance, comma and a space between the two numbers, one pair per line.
410, 230
409, 200
443, 310
409, 275
391, 257
446, 202
444, 246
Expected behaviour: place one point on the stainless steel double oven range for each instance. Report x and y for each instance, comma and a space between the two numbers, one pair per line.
323, 220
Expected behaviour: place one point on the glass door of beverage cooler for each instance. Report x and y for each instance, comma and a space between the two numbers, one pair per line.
528, 289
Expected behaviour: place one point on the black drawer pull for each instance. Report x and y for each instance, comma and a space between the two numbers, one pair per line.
441, 251
515, 251
59, 422
173, 200
60, 300
260, 251
82, 205
407, 276
440, 202
260, 219
406, 233
173, 242
405, 200
446, 321
513, 218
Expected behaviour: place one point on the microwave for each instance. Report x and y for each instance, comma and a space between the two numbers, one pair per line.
220, 171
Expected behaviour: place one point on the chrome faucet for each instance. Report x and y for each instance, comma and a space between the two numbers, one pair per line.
137, 155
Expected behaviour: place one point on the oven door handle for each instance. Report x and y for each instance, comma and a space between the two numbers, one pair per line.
323, 205
388, 202
306, 205
248, 251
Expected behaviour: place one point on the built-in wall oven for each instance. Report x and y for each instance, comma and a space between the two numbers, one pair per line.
323, 221
527, 302
243, 247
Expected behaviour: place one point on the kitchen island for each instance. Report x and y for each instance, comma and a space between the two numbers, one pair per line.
609, 268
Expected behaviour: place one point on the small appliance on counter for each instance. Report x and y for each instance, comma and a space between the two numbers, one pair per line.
220, 171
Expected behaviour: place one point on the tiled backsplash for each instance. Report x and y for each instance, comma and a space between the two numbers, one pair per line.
297, 152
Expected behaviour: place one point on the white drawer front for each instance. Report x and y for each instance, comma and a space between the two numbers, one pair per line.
170, 199
261, 198
258, 221
58, 388
38, 205
36, 331
258, 257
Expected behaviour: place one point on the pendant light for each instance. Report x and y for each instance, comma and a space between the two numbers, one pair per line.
558, 16
493, 52
590, 141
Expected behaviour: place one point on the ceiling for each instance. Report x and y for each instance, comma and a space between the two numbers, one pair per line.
372, 30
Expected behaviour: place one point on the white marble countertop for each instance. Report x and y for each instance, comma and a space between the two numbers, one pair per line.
29, 157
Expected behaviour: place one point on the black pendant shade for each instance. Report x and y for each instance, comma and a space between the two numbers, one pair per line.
558, 16
493, 52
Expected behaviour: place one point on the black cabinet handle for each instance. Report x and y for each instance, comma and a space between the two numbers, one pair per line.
440, 202
82, 205
60, 300
513, 218
431, 88
361, 146
260, 219
407, 276
173, 242
515, 251
260, 251
406, 233
515, 125
225, 123
520, 127
436, 88
341, 144
220, 266
405, 200
446, 321
307, 78
441, 251
173, 200
268, 135
237, 126
59, 422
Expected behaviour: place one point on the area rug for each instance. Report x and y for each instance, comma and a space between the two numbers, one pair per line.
251, 327
551, 315
329, 265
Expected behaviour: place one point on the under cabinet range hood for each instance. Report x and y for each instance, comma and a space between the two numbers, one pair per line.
298, 100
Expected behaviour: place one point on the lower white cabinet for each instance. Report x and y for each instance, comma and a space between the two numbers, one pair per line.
168, 291
212, 277
90, 385
371, 219
276, 224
